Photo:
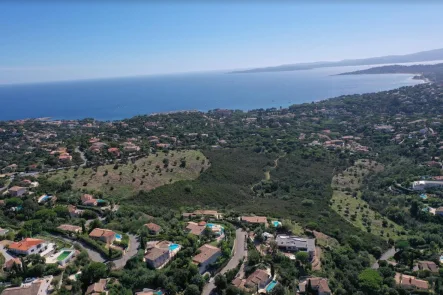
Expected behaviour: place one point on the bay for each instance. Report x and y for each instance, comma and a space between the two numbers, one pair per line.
119, 98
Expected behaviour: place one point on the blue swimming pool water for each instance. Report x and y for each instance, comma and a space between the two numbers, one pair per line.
276, 223
271, 286
101, 201
159, 292
172, 247
118, 236
423, 196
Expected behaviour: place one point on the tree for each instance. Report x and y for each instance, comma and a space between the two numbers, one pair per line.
13, 202
370, 280
414, 208
83, 226
220, 282
192, 290
166, 162
302, 256
278, 290
96, 223
232, 290
35, 259
93, 272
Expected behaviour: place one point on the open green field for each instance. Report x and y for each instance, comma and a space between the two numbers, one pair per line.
144, 175
346, 201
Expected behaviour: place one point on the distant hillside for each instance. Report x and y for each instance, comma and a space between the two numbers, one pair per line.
433, 73
430, 55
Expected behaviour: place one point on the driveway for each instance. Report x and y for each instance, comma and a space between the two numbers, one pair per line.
132, 251
94, 255
239, 254
5, 253
385, 256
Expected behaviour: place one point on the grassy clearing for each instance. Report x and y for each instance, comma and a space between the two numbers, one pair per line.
145, 174
346, 201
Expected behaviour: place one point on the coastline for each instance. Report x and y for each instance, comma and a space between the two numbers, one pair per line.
55, 119
116, 100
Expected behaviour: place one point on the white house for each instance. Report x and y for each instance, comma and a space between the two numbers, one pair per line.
28, 246
425, 184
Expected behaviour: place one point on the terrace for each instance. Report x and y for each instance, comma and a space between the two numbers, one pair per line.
62, 257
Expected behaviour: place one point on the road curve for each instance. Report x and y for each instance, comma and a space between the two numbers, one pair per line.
130, 252
239, 253
385, 256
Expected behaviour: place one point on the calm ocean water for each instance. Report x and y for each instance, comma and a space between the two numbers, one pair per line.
113, 99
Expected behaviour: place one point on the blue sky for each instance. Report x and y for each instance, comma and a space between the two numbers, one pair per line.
49, 40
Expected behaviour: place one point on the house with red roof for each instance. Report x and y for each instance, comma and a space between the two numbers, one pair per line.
153, 228
10, 263
88, 200
114, 151
105, 235
255, 220
28, 246
410, 282
207, 254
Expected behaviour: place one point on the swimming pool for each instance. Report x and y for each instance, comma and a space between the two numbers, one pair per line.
63, 256
276, 223
271, 286
173, 247
423, 196
118, 236
159, 292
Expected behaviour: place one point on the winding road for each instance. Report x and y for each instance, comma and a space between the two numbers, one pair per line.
385, 256
130, 252
239, 253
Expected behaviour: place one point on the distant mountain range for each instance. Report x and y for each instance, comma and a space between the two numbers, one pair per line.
430, 55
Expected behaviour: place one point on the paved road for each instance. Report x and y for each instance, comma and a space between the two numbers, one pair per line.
239, 252
385, 256
5, 253
132, 251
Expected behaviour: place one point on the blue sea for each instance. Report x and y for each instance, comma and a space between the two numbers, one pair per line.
119, 98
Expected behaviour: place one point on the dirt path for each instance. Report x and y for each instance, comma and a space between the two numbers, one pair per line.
82, 155
268, 173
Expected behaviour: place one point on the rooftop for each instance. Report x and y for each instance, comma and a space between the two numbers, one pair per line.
258, 277
319, 284
293, 241
69, 227
206, 252
255, 219
195, 228
155, 253
25, 244
100, 232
